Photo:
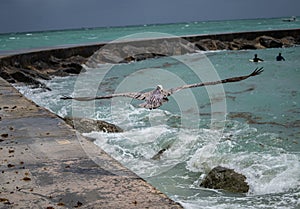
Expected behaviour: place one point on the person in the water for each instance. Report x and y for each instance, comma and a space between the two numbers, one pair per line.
280, 57
256, 59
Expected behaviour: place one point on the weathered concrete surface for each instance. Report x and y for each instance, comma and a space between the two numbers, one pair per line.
43, 164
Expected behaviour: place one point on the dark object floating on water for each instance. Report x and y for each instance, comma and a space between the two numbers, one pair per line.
158, 155
292, 19
156, 98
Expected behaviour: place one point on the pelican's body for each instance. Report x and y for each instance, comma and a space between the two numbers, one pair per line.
156, 98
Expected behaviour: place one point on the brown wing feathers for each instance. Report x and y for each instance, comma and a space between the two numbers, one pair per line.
143, 96
134, 95
257, 71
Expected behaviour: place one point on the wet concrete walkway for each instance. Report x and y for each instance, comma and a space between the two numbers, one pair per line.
44, 165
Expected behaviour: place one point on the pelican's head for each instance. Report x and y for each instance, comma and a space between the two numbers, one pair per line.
159, 87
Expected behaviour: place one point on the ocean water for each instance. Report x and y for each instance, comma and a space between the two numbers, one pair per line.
35, 40
251, 126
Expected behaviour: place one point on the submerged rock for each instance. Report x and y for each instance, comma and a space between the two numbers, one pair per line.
86, 125
226, 179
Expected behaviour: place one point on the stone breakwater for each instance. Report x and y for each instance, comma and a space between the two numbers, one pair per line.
32, 67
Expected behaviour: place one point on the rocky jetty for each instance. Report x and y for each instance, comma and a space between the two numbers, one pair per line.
33, 67
226, 179
124, 52
86, 125
32, 73
260, 42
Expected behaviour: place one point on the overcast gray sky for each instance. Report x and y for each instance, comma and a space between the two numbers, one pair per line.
37, 15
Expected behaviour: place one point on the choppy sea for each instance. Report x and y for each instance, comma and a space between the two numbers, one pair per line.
252, 126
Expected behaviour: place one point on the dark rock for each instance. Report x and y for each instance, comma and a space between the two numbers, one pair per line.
27, 78
234, 46
86, 125
71, 71
240, 44
40, 65
4, 74
76, 59
60, 72
288, 41
140, 57
249, 44
221, 45
24, 78
54, 60
144, 56
34, 73
128, 59
206, 45
226, 179
270, 42
72, 68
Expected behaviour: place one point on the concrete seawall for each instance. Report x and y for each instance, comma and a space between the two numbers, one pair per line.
44, 165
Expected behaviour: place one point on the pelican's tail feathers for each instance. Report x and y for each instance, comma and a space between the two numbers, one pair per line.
149, 106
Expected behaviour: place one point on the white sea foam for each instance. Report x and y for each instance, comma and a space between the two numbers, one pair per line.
271, 172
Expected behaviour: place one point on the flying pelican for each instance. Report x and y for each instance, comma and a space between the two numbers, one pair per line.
158, 96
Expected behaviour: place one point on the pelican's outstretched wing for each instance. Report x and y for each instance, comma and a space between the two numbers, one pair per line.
134, 95
257, 71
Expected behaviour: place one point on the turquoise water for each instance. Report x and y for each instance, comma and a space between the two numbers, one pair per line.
21, 41
251, 126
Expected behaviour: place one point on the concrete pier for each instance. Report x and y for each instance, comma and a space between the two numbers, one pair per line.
44, 165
